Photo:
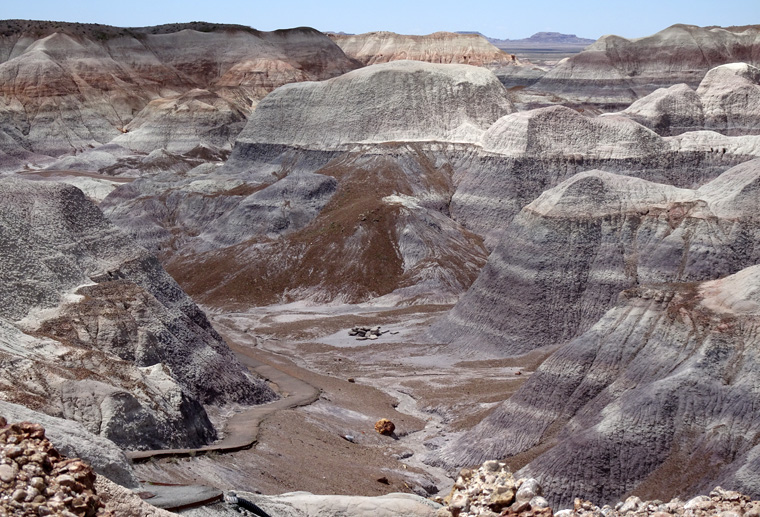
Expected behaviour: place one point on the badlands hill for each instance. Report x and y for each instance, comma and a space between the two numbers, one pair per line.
655, 399
319, 161
93, 329
615, 71
440, 47
727, 100
70, 87
341, 176
394, 102
563, 260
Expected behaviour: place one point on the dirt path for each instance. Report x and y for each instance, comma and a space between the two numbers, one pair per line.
242, 429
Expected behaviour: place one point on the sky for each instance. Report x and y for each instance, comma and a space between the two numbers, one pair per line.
503, 19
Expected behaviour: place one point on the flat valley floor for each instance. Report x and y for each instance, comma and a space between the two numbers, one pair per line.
428, 391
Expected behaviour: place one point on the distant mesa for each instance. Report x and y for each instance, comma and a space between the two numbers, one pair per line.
440, 47
543, 39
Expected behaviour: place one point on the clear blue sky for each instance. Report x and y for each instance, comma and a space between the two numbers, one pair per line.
495, 18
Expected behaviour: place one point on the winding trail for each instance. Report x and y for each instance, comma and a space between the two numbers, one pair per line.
242, 429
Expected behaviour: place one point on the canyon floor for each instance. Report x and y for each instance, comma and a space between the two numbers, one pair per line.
330, 446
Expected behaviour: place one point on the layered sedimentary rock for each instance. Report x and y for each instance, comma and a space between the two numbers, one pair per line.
655, 399
616, 71
488, 163
70, 87
196, 119
563, 260
525, 153
322, 163
399, 101
727, 100
366, 224
440, 47
94, 330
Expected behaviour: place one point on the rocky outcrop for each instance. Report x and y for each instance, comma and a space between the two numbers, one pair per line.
69, 87
614, 71
567, 255
727, 100
650, 400
37, 480
373, 48
94, 330
492, 488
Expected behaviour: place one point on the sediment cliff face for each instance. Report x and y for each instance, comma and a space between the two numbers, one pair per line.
563, 260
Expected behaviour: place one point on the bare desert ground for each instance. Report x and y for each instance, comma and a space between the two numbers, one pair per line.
330, 446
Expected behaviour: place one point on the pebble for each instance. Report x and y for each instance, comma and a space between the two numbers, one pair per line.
6, 473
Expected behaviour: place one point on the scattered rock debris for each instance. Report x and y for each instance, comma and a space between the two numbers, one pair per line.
492, 491
364, 333
36, 480
385, 427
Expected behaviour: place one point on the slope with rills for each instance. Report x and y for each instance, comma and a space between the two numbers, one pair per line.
391, 102
382, 230
656, 399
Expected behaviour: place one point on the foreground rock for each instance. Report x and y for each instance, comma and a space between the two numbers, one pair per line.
94, 330
36, 480
492, 490
73, 440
